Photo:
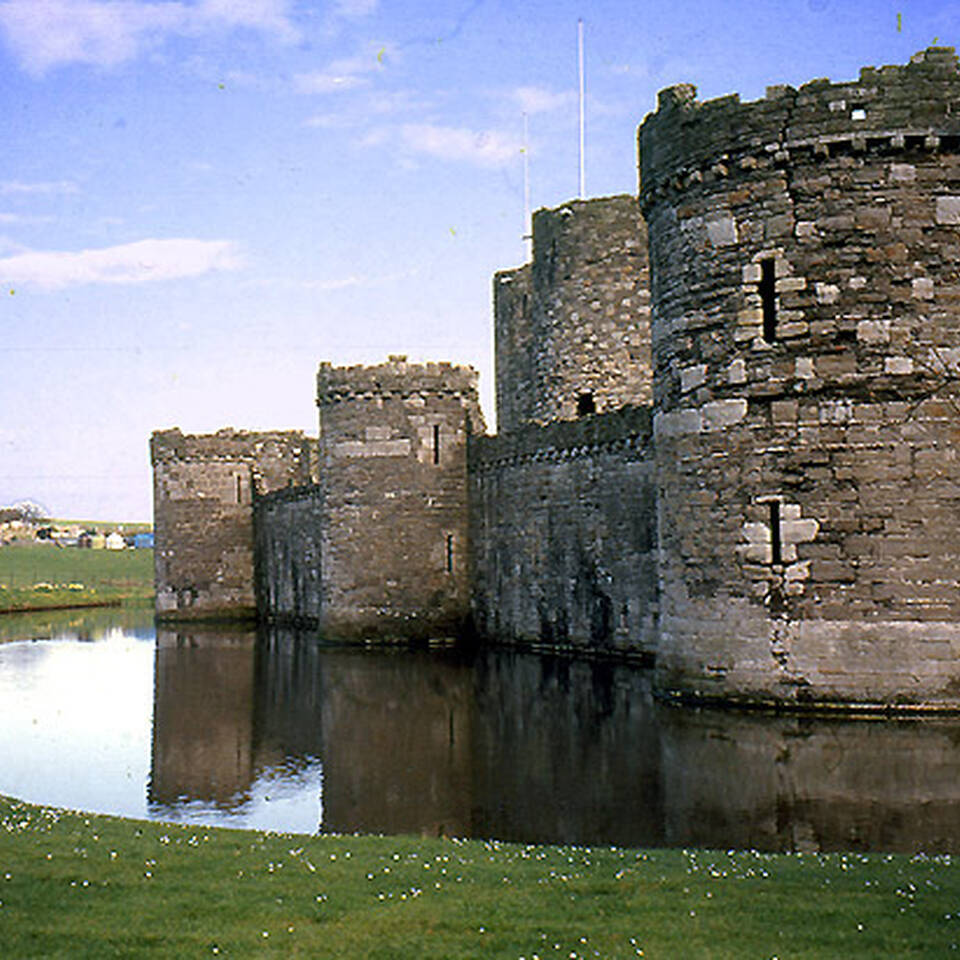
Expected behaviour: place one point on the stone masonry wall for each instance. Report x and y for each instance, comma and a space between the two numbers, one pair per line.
563, 534
514, 351
573, 328
804, 253
204, 487
393, 442
289, 562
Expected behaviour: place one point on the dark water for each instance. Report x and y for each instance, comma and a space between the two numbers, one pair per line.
98, 711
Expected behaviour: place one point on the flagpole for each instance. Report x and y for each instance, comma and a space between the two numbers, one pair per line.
527, 226
583, 175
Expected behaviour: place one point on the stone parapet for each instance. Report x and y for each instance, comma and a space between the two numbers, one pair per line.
686, 141
626, 427
396, 377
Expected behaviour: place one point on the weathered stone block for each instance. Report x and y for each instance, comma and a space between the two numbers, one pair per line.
721, 231
719, 414
948, 210
827, 293
898, 366
692, 377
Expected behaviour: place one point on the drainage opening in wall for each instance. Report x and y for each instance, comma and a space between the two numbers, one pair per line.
585, 404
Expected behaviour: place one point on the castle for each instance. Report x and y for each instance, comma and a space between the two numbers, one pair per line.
728, 422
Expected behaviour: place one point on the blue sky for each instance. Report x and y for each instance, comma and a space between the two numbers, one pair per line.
202, 199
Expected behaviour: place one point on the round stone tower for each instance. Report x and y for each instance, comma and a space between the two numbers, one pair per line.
805, 261
572, 327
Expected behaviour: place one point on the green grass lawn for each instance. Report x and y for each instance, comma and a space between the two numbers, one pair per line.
41, 576
75, 885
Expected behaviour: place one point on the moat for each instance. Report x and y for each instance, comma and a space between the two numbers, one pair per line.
102, 711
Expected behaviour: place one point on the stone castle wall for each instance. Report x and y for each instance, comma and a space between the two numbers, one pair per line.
204, 488
563, 533
288, 573
572, 333
514, 351
803, 252
778, 523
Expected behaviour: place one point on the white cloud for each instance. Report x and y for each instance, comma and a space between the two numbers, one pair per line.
270, 16
345, 73
354, 280
130, 263
9, 187
326, 82
19, 218
486, 148
46, 33
537, 100
330, 121
356, 8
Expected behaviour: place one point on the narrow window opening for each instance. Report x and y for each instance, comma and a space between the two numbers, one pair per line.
526, 305
239, 490
449, 553
776, 544
436, 443
585, 404
768, 298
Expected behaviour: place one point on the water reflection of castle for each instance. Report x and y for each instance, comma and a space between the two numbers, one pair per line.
538, 749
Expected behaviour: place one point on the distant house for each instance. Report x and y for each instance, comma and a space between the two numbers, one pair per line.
115, 541
142, 541
93, 540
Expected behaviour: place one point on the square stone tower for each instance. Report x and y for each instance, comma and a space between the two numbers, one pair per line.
204, 487
393, 467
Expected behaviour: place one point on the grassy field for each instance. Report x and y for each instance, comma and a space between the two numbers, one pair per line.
75, 885
43, 576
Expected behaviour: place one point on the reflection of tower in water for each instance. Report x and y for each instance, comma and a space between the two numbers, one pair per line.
791, 783
532, 749
393, 730
203, 717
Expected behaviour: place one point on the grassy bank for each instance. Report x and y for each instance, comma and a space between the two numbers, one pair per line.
43, 576
82, 886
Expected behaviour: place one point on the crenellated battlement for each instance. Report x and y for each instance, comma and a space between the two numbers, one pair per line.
397, 378
901, 108
229, 444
